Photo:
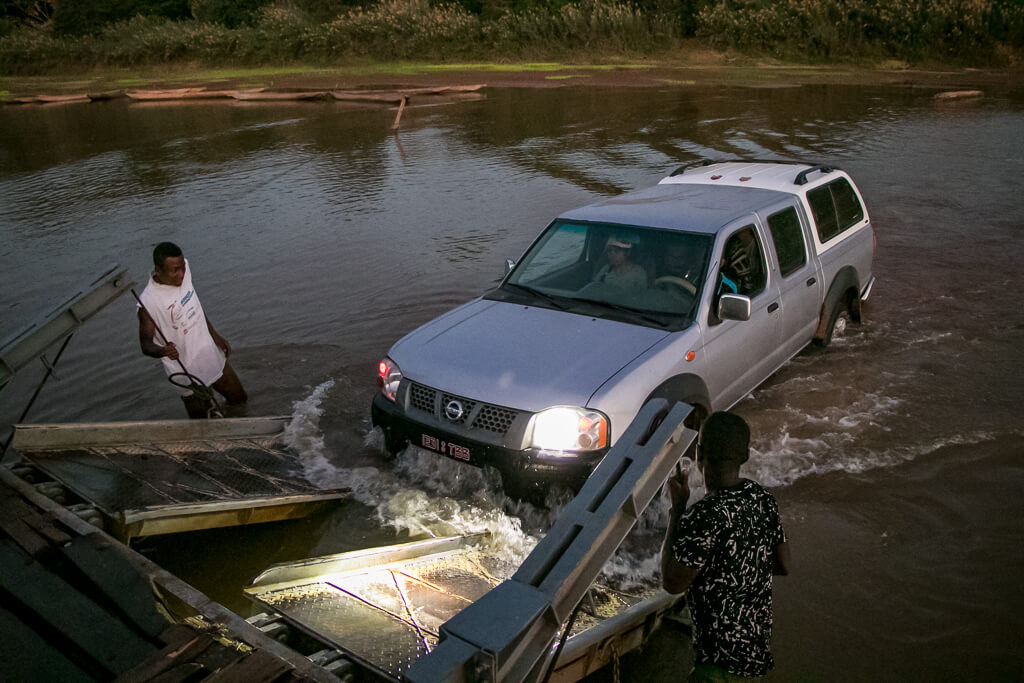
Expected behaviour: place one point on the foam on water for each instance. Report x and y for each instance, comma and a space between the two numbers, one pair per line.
422, 493
787, 458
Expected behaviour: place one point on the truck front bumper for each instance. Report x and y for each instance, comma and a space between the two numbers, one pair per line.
529, 465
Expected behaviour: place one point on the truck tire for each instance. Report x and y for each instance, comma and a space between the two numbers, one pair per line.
837, 324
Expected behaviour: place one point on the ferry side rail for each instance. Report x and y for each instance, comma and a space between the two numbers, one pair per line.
508, 634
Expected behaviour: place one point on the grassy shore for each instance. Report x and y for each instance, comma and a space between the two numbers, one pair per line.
572, 40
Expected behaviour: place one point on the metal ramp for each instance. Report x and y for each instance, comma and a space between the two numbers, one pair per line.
384, 607
160, 477
61, 322
444, 610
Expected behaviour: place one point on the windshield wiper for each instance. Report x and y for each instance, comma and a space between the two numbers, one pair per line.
643, 315
542, 295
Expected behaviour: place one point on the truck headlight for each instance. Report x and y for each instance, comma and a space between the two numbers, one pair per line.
569, 429
388, 377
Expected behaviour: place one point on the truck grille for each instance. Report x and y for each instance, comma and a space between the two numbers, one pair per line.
494, 419
482, 416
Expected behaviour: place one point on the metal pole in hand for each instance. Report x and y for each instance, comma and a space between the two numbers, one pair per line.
162, 337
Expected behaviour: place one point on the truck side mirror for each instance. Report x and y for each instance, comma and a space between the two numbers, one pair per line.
509, 265
733, 307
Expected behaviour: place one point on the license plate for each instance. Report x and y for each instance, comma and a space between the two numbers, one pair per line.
432, 443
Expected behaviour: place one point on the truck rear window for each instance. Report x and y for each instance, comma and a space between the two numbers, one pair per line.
835, 207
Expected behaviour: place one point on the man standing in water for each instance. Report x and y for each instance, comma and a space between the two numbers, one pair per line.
725, 549
172, 305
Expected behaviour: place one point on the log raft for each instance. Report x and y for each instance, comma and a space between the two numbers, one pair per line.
399, 97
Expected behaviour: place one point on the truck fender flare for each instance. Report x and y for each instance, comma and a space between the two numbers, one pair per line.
688, 389
842, 292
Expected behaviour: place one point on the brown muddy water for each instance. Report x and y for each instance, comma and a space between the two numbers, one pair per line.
317, 238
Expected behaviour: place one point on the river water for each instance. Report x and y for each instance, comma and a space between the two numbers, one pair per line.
317, 237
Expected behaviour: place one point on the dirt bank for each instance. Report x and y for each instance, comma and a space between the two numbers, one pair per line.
710, 71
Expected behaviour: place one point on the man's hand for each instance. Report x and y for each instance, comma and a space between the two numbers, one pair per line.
223, 345
676, 577
170, 351
679, 487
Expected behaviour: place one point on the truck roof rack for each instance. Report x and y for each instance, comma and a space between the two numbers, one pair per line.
801, 177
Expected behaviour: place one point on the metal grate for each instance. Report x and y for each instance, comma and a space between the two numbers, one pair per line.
475, 415
494, 419
422, 398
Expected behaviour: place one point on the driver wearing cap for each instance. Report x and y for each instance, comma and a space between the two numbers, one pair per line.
620, 271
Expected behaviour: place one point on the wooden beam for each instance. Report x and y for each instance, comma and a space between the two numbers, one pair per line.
401, 108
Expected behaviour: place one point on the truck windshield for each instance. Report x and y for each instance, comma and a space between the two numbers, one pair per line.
647, 275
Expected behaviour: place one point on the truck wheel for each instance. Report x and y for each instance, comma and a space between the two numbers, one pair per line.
836, 325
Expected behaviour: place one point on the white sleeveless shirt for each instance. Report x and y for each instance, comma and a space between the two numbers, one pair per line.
179, 315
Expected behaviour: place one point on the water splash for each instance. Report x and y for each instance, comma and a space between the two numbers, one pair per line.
421, 493
303, 435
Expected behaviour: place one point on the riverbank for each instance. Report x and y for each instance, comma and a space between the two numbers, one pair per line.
702, 70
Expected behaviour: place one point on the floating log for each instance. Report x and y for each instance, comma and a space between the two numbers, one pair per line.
261, 95
399, 95
180, 94
48, 99
959, 94
61, 99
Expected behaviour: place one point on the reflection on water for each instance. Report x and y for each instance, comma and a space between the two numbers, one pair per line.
318, 237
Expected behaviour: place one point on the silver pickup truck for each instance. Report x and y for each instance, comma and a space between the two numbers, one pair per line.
696, 289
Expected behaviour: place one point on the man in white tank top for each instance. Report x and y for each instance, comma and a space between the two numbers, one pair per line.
172, 306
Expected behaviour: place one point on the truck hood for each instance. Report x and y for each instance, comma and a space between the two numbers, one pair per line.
519, 356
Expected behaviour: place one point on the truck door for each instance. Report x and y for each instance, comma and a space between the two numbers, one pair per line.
741, 353
800, 284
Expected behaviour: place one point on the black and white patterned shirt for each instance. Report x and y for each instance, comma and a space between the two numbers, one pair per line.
730, 536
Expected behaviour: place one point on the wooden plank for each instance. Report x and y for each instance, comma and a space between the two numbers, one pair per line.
186, 671
177, 635
25, 537
27, 656
13, 506
46, 597
117, 580
47, 529
23, 521
259, 666
168, 660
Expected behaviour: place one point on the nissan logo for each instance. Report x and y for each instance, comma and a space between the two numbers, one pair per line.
454, 411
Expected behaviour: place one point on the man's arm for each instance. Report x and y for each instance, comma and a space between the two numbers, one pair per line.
147, 330
676, 577
780, 560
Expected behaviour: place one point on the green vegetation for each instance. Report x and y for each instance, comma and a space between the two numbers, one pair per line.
46, 36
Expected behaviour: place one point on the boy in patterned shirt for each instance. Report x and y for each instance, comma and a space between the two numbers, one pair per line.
725, 549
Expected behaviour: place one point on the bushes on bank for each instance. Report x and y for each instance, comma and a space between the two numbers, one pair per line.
912, 30
965, 31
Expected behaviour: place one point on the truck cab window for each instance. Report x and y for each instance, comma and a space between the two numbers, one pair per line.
788, 239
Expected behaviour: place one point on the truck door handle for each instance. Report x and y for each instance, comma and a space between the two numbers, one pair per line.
810, 283
772, 307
